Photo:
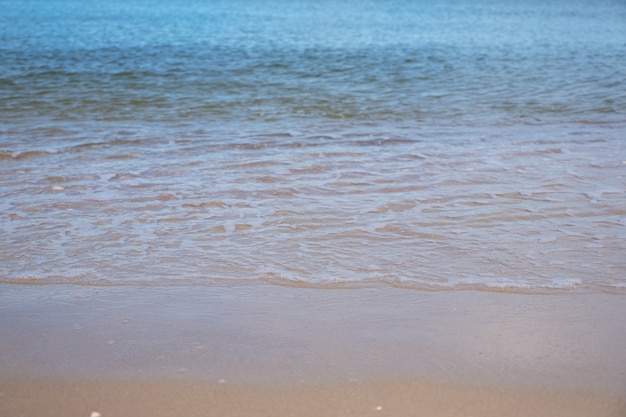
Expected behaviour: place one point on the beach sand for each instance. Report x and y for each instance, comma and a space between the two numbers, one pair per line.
266, 350
159, 398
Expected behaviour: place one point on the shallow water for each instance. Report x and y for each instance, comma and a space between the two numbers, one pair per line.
459, 145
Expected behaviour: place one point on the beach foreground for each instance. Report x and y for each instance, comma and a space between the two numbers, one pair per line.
156, 398
267, 350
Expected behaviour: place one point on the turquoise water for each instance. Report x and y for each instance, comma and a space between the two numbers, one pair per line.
194, 62
432, 145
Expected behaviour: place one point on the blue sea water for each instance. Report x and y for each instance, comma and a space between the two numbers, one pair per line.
424, 144
449, 62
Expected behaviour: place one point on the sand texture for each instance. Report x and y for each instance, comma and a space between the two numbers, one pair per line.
264, 350
376, 399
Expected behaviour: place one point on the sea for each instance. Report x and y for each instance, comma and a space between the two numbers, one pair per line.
431, 145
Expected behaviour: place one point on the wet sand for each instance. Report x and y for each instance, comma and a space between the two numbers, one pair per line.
164, 398
282, 351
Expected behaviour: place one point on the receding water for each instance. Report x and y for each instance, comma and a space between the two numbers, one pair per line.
430, 145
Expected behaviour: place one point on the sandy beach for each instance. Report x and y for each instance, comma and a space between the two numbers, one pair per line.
164, 398
301, 208
267, 350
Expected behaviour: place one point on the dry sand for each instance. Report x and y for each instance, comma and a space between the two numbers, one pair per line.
262, 350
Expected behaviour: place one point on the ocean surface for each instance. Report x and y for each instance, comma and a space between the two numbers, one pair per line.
430, 145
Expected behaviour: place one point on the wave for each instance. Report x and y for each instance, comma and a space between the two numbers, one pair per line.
421, 82
21, 155
494, 284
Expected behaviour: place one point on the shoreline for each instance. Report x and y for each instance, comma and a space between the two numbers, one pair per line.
276, 350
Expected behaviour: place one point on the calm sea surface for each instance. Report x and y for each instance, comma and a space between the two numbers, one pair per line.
435, 145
